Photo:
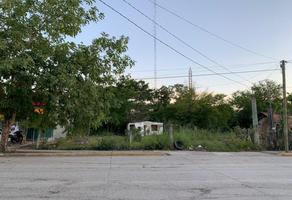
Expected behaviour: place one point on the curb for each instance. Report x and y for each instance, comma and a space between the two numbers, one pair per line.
82, 153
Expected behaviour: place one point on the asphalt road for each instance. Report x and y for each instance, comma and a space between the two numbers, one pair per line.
180, 176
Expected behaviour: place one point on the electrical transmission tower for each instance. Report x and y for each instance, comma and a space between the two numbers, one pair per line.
155, 45
190, 79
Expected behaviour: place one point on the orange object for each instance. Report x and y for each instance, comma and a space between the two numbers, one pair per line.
39, 111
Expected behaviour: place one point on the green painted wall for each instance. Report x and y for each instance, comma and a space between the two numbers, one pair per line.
32, 134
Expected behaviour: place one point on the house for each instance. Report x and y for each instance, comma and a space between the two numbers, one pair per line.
270, 129
146, 127
31, 134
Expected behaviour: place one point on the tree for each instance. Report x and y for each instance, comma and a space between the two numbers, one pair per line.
37, 64
161, 99
266, 92
132, 103
289, 102
179, 105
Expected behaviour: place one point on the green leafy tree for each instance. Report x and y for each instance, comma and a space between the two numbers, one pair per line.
289, 104
37, 64
266, 92
161, 99
179, 105
131, 103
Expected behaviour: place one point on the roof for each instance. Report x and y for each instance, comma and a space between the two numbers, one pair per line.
276, 117
146, 122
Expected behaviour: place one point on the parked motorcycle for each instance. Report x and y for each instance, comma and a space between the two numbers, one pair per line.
16, 137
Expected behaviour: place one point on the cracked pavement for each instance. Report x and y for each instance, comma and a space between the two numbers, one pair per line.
180, 175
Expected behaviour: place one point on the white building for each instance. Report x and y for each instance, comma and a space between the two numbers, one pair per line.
146, 127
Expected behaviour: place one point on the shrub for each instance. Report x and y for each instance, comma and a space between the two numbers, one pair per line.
155, 142
136, 146
213, 140
113, 143
184, 138
77, 143
189, 139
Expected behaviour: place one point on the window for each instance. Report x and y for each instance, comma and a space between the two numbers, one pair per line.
154, 128
132, 127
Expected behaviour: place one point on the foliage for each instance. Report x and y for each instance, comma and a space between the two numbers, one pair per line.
113, 143
210, 140
155, 142
38, 65
265, 92
203, 110
85, 90
214, 141
181, 106
129, 103
77, 143
31, 41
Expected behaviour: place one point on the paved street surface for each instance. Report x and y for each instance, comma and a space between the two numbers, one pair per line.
180, 176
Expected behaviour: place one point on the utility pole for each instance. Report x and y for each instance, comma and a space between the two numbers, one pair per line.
285, 117
190, 79
255, 120
270, 117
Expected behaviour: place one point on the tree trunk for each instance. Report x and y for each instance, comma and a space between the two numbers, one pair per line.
24, 136
5, 133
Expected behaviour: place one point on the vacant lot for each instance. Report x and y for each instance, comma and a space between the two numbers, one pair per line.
182, 175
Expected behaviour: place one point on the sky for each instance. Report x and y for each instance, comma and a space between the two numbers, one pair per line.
263, 26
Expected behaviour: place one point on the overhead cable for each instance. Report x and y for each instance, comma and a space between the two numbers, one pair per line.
211, 33
171, 47
181, 40
211, 74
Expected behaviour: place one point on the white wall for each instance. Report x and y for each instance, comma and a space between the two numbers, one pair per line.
59, 132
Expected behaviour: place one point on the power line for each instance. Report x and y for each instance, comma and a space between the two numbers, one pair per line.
210, 74
267, 76
211, 86
169, 46
264, 73
179, 39
211, 33
235, 66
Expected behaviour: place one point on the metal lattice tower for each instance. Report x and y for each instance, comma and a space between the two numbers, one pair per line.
155, 45
190, 78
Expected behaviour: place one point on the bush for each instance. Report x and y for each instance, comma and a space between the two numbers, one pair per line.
136, 146
184, 138
113, 143
77, 143
136, 135
189, 139
213, 141
155, 142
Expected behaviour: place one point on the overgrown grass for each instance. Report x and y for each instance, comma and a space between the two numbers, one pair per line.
190, 140
155, 142
214, 141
